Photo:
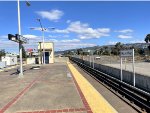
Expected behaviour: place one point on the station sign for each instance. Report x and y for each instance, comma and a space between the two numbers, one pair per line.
22, 39
126, 53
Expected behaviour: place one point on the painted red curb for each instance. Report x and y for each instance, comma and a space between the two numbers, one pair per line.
84, 101
58, 111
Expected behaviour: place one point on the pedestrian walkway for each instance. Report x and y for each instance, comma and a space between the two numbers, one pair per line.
53, 88
50, 89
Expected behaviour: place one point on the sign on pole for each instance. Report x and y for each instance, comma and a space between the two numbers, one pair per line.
133, 66
22, 39
127, 53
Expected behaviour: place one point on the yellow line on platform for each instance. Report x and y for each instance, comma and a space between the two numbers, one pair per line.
96, 101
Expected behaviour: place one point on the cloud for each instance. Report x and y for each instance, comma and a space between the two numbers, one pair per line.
65, 41
84, 31
33, 40
68, 21
52, 15
125, 31
60, 31
29, 36
71, 41
70, 44
125, 36
137, 41
58, 36
67, 46
65, 36
112, 42
53, 40
3, 36
7, 44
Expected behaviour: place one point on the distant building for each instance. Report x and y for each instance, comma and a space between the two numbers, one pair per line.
9, 59
32, 52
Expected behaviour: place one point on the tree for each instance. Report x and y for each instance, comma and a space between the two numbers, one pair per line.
119, 45
114, 51
24, 55
140, 51
79, 51
2, 53
147, 38
117, 48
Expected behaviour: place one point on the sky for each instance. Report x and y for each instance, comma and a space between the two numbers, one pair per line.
77, 24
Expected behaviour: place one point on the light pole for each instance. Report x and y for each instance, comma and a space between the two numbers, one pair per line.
43, 37
42, 29
20, 44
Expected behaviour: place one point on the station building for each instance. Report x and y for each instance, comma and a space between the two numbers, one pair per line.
49, 52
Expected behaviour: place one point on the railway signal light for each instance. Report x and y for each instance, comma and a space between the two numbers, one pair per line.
17, 38
12, 37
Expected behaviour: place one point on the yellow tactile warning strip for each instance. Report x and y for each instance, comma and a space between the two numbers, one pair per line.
96, 101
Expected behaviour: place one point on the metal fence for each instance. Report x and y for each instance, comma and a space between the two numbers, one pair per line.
142, 63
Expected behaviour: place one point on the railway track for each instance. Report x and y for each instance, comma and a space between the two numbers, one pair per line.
135, 95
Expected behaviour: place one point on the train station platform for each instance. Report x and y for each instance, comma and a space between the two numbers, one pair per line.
54, 88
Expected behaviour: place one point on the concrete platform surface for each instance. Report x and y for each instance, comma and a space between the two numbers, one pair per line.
51, 89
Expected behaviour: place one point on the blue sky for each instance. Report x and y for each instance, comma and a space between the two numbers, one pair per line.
77, 24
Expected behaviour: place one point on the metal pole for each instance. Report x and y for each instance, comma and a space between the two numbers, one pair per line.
43, 40
133, 68
20, 44
90, 60
43, 48
121, 68
40, 53
125, 63
93, 60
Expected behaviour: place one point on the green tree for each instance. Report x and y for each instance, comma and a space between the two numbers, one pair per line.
2, 53
79, 51
24, 55
147, 38
114, 51
118, 47
101, 51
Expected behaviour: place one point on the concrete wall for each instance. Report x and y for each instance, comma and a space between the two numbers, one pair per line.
61, 59
141, 81
30, 61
